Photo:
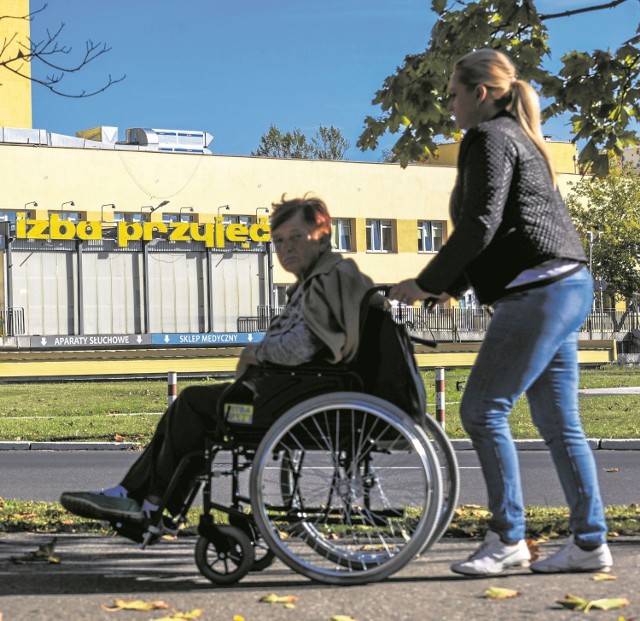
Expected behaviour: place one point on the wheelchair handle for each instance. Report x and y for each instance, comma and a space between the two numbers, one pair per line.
429, 303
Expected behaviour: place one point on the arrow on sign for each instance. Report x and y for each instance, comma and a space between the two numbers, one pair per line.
250, 338
166, 338
43, 341
139, 339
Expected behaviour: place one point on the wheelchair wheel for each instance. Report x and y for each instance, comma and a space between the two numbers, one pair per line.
225, 567
346, 488
449, 474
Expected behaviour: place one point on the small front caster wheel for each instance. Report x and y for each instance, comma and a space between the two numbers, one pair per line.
225, 566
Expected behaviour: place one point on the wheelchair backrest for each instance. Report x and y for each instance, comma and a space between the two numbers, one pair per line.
385, 360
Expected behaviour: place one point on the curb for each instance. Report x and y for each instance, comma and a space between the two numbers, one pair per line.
68, 446
539, 445
458, 445
628, 444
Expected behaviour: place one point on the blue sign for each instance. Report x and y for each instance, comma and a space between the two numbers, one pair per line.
89, 341
207, 339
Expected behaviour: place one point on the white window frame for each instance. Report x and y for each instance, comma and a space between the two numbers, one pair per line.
379, 235
342, 234
428, 241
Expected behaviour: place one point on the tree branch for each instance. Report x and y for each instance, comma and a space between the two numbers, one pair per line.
586, 9
28, 17
48, 51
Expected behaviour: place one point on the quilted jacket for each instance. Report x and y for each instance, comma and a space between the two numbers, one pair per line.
507, 215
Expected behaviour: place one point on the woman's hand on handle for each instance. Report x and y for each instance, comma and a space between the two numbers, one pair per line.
408, 292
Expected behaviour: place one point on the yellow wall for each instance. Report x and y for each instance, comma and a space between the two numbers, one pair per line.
15, 91
564, 156
132, 179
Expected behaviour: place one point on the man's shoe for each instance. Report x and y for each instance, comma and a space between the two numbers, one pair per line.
493, 557
96, 506
572, 558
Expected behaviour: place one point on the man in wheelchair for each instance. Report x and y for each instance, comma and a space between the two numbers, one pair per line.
321, 322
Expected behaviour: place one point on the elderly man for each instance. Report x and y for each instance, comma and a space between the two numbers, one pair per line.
320, 322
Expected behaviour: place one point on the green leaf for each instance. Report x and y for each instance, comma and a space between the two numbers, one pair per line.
438, 6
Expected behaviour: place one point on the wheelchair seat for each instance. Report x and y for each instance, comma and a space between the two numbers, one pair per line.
384, 366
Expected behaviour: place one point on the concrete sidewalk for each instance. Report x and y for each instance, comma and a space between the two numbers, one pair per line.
96, 570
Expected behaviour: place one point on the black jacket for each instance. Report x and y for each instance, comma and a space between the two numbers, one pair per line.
508, 217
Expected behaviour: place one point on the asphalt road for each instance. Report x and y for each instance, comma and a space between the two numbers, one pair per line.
44, 475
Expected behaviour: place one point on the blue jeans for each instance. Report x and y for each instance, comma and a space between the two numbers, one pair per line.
531, 347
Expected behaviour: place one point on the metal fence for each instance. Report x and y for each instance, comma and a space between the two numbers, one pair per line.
470, 324
11, 321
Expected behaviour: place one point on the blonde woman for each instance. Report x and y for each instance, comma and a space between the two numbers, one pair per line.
515, 244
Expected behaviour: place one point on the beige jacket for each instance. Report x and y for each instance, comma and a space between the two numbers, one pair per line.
333, 293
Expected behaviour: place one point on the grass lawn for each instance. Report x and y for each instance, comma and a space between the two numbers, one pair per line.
468, 521
129, 411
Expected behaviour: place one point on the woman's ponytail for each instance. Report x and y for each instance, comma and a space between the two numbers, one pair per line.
525, 106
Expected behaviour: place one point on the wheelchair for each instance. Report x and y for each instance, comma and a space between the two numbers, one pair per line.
341, 485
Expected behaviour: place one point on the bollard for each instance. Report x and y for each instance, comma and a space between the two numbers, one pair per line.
440, 390
172, 387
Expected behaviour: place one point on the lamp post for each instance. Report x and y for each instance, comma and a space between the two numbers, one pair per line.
160, 206
590, 240
27, 205
189, 209
102, 210
269, 250
225, 207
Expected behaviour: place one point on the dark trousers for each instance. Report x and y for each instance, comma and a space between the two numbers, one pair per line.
181, 430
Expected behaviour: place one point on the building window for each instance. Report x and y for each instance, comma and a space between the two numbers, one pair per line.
9, 215
69, 216
430, 236
246, 220
341, 235
128, 216
379, 236
169, 217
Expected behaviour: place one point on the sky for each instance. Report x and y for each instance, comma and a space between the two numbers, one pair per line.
235, 67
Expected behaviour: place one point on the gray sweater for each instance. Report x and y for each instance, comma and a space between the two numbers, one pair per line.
508, 216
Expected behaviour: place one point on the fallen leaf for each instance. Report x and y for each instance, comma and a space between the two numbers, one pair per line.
600, 576
342, 618
44, 554
135, 604
612, 469
117, 437
574, 602
235, 618
272, 598
534, 548
500, 593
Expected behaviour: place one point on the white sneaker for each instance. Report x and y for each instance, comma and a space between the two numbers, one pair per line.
571, 558
493, 557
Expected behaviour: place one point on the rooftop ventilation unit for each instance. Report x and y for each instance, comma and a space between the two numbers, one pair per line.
172, 140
